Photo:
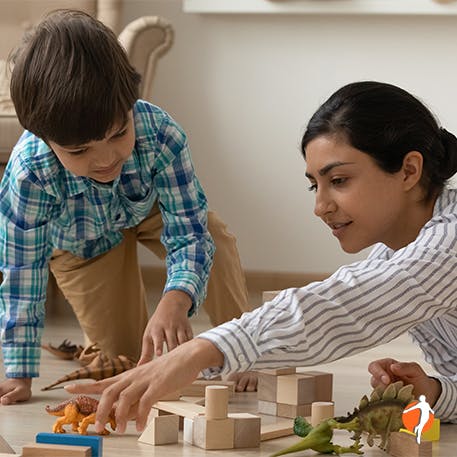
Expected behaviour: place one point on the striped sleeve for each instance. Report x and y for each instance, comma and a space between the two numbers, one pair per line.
361, 306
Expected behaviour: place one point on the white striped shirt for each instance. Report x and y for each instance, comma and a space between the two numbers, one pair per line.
361, 306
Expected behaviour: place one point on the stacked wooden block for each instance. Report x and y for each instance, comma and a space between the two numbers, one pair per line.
286, 393
208, 427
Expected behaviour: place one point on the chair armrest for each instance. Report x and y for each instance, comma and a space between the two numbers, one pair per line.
145, 40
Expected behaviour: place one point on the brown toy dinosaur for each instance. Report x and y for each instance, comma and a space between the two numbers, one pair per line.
80, 413
96, 365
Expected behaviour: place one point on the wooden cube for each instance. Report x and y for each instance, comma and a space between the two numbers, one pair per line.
292, 411
267, 386
267, 407
323, 385
55, 450
296, 389
405, 445
247, 430
161, 430
214, 433
279, 371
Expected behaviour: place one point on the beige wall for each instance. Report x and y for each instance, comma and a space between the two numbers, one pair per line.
244, 86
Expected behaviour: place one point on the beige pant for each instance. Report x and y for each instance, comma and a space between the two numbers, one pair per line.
107, 292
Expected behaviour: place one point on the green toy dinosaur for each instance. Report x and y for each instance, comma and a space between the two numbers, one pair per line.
378, 416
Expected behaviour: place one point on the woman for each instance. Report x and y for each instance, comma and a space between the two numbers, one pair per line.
378, 163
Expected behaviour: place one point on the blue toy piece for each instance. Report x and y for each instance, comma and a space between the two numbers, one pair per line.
95, 442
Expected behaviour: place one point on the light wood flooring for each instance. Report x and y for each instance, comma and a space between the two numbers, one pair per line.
19, 423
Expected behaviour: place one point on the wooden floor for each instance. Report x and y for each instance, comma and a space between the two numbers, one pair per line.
20, 423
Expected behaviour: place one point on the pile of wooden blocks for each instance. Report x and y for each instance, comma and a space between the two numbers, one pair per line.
284, 392
208, 427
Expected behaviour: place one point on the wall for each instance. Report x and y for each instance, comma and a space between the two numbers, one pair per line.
244, 86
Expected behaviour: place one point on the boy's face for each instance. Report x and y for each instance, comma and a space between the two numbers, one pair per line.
100, 160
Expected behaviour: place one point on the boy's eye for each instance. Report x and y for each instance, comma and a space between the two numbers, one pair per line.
312, 188
78, 152
119, 134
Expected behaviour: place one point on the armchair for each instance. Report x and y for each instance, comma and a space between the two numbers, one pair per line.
145, 39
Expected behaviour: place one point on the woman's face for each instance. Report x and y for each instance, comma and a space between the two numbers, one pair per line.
361, 203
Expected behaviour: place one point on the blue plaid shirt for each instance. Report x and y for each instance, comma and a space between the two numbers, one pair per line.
44, 207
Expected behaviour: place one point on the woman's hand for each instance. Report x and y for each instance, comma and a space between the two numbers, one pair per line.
386, 371
133, 392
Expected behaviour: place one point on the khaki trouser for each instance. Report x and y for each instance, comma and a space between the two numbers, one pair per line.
107, 292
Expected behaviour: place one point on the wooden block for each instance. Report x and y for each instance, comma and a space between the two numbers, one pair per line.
188, 431
292, 411
279, 371
267, 386
213, 434
323, 385
55, 450
268, 295
296, 389
404, 445
321, 410
277, 430
95, 442
247, 430
180, 408
5, 447
267, 407
9, 454
216, 402
161, 430
197, 388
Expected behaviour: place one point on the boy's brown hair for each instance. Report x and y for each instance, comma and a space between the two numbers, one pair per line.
72, 81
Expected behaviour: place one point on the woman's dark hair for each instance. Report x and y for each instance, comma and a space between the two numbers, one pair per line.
71, 81
387, 122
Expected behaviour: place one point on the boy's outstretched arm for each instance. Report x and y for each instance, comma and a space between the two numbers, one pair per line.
136, 390
169, 324
385, 371
13, 390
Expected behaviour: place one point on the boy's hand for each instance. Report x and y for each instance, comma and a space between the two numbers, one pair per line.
169, 324
385, 371
13, 390
133, 392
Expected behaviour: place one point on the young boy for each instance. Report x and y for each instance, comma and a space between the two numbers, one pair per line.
96, 171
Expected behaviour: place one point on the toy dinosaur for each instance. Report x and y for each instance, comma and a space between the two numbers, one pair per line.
80, 413
96, 365
101, 367
378, 416
65, 350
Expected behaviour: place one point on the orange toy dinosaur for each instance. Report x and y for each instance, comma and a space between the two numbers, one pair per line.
80, 413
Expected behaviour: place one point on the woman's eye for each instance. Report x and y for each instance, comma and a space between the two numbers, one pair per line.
338, 181
312, 188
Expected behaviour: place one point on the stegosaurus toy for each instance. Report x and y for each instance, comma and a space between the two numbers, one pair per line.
378, 417
80, 413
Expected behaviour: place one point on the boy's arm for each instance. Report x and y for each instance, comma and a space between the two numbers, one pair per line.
188, 243
184, 208
24, 249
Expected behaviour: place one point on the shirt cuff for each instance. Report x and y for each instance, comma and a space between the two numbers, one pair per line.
21, 361
239, 350
187, 282
444, 407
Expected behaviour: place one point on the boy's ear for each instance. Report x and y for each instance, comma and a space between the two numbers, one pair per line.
413, 163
